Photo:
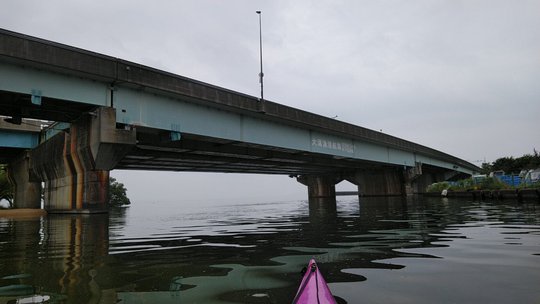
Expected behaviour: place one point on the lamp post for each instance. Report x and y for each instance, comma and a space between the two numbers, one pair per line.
261, 74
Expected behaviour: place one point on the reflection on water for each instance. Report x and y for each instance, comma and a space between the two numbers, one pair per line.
381, 250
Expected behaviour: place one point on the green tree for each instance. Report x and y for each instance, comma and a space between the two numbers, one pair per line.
529, 161
117, 193
6, 188
514, 165
486, 168
506, 164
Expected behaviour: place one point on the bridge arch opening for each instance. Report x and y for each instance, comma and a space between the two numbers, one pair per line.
346, 186
208, 188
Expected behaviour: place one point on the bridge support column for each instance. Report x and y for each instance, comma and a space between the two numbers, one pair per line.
421, 183
27, 191
384, 182
321, 190
412, 180
75, 165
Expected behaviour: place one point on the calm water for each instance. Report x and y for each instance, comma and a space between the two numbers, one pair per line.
376, 251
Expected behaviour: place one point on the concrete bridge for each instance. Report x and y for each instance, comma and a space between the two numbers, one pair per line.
114, 114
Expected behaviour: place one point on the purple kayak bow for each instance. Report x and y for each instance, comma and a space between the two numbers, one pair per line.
313, 289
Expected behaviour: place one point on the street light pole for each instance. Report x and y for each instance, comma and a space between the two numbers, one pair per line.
261, 74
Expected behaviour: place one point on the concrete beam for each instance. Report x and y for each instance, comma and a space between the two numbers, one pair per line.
27, 125
108, 144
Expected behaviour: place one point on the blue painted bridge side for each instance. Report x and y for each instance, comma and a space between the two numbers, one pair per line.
17, 139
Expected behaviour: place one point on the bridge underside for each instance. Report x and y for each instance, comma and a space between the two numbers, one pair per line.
156, 151
320, 173
203, 154
18, 105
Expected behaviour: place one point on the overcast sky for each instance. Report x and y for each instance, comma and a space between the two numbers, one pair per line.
462, 77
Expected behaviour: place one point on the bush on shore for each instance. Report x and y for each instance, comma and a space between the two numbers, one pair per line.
117, 193
6, 189
488, 183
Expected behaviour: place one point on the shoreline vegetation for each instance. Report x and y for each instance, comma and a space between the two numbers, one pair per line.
521, 195
471, 184
489, 188
493, 173
522, 184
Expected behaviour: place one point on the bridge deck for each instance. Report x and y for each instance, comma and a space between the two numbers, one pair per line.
17, 50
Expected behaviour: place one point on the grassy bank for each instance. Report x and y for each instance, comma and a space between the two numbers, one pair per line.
488, 183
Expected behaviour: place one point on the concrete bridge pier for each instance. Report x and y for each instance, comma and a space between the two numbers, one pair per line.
321, 190
75, 163
412, 180
383, 182
27, 189
421, 183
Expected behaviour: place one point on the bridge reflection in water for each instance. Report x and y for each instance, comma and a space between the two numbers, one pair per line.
236, 254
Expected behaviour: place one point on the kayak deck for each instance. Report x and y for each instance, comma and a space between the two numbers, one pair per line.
313, 288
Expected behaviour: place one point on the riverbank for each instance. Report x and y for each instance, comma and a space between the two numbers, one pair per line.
519, 194
22, 213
